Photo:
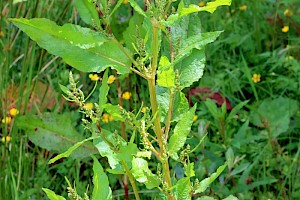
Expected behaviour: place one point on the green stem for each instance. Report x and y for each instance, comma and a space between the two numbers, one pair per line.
131, 179
167, 7
131, 58
154, 106
170, 112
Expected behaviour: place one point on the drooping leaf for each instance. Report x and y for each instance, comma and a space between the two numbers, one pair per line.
101, 184
88, 12
69, 151
51, 195
181, 131
210, 7
165, 73
142, 173
183, 188
204, 184
54, 132
82, 48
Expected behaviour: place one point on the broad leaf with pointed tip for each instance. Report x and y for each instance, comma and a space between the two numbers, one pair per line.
181, 131
101, 184
54, 132
82, 48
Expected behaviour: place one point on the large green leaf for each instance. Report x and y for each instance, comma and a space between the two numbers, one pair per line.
163, 100
165, 73
191, 68
106, 151
82, 48
54, 132
205, 183
181, 106
210, 7
101, 184
183, 189
126, 153
51, 195
195, 42
142, 173
88, 12
181, 131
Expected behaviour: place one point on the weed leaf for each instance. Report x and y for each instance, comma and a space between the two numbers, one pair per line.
165, 73
101, 184
142, 173
51, 195
204, 184
54, 132
181, 131
82, 48
184, 189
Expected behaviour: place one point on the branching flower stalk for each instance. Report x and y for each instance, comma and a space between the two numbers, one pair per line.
164, 71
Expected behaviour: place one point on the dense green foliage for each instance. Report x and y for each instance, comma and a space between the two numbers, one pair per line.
246, 102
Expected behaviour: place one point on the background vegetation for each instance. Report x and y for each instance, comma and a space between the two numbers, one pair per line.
255, 61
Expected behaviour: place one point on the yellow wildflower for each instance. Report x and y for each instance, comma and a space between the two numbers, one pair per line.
6, 139
94, 77
243, 8
1, 34
285, 29
89, 106
125, 1
126, 95
201, 4
6, 120
195, 118
107, 118
256, 78
287, 12
111, 79
13, 112
144, 109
